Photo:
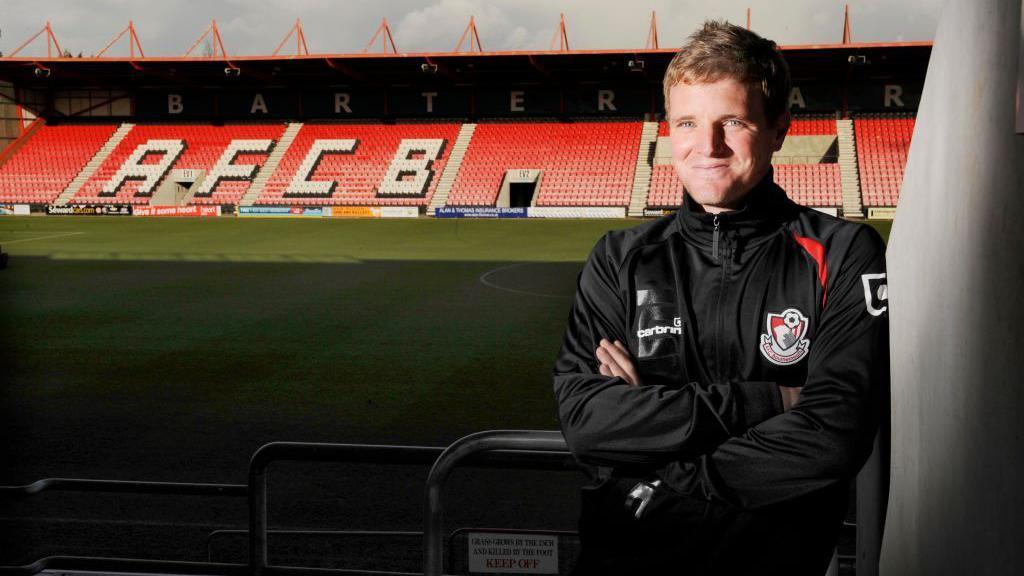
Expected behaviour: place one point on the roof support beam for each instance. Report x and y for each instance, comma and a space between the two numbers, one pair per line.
133, 42
652, 34
301, 49
51, 42
474, 38
846, 25
384, 32
561, 36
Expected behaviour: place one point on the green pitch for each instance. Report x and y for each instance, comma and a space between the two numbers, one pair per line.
172, 349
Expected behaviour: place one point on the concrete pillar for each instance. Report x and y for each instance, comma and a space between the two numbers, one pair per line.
956, 305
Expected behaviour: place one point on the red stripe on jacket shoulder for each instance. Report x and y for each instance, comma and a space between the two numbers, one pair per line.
817, 252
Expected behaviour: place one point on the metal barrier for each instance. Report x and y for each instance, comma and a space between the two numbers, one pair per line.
526, 449
550, 444
381, 533
85, 563
513, 456
124, 487
312, 452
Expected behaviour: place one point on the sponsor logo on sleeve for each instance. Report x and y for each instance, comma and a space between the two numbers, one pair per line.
876, 293
784, 343
658, 326
675, 328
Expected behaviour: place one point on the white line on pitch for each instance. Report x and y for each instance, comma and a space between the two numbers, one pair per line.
486, 282
6, 242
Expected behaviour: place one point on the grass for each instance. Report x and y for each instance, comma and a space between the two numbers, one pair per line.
259, 330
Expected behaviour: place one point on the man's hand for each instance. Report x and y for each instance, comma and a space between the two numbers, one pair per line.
790, 396
616, 361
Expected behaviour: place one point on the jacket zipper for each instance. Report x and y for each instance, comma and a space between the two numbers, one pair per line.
721, 292
714, 240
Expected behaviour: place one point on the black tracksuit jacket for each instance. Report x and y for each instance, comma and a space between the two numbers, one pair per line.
717, 311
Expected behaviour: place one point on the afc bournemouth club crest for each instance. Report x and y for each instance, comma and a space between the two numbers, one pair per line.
785, 344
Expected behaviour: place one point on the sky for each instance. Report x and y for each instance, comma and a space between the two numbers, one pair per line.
253, 27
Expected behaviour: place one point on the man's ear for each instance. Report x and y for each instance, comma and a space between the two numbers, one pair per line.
781, 128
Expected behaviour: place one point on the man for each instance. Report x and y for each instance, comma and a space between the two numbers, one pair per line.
723, 367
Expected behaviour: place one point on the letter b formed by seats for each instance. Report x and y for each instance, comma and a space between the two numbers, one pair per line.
409, 176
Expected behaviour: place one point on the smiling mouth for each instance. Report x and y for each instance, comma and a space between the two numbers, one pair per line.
712, 167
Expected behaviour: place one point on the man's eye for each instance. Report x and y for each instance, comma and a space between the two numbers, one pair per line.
685, 124
732, 122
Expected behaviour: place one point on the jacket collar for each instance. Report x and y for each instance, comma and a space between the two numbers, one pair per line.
765, 207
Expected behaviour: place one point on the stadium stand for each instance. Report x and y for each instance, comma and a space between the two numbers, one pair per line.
813, 125
203, 146
883, 141
816, 185
666, 188
581, 163
360, 173
49, 160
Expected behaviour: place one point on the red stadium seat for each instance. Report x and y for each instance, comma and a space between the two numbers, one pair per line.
817, 185
581, 163
49, 160
666, 188
812, 125
883, 142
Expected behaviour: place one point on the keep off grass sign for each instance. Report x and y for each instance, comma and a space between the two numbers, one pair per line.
513, 553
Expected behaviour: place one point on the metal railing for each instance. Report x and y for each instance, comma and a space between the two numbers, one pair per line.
313, 533
532, 445
514, 454
137, 565
312, 452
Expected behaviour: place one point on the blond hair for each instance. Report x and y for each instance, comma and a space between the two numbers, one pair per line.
719, 50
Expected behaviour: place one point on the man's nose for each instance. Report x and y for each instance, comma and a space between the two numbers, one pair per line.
709, 139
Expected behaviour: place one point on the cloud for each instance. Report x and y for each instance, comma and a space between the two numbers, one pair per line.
169, 27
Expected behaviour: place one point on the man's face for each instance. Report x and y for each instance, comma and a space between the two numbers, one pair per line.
722, 144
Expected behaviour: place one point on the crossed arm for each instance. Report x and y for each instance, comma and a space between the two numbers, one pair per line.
616, 362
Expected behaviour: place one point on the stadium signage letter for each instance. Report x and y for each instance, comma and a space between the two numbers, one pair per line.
408, 176
796, 98
150, 174
174, 105
604, 100
893, 95
430, 100
258, 104
225, 170
516, 98
341, 102
301, 185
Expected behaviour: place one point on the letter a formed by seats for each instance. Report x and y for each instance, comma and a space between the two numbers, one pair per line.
150, 174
